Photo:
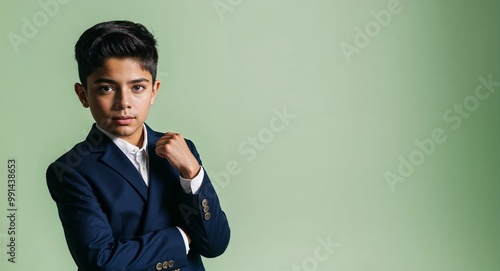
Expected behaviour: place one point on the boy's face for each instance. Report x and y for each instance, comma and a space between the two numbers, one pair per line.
119, 95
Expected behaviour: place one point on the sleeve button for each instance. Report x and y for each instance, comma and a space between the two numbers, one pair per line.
206, 216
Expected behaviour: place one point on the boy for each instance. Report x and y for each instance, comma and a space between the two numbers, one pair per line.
130, 198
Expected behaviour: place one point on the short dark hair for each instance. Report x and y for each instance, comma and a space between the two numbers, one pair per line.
120, 39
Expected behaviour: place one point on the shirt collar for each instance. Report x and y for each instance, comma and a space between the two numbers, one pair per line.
123, 145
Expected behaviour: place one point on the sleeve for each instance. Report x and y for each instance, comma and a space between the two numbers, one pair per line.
89, 235
192, 186
185, 239
206, 223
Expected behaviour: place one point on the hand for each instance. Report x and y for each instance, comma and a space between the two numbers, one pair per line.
173, 147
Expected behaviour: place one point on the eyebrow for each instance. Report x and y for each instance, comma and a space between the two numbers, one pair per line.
109, 81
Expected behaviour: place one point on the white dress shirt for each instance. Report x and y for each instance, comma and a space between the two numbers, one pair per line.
140, 159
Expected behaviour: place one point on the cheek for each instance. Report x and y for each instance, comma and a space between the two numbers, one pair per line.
100, 105
143, 105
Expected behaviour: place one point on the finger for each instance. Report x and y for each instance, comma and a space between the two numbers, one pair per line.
164, 139
171, 134
161, 151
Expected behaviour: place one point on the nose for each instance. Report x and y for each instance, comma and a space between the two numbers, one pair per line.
122, 99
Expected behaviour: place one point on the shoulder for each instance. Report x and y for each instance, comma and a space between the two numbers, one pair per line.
76, 156
155, 135
85, 151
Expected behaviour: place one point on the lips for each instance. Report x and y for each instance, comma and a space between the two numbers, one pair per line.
123, 120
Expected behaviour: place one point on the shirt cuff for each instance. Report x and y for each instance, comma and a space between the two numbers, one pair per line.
184, 237
192, 186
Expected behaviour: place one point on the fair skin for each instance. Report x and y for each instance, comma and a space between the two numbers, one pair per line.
119, 95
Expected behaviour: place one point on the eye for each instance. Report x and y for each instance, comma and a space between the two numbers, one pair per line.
105, 88
138, 88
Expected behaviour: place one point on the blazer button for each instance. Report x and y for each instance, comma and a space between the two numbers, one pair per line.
207, 216
205, 209
165, 265
204, 203
171, 263
159, 266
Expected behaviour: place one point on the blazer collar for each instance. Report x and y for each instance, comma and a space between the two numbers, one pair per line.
115, 159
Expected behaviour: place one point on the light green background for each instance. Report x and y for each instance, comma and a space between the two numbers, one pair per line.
322, 176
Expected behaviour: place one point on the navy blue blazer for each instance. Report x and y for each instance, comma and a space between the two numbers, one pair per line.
113, 221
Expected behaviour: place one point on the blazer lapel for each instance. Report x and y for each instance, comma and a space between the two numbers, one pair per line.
161, 173
116, 160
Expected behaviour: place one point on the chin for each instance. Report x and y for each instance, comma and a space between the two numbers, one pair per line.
124, 131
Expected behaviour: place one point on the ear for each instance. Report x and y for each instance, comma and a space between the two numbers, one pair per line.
82, 94
156, 87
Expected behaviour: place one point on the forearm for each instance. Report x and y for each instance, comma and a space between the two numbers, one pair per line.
205, 222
